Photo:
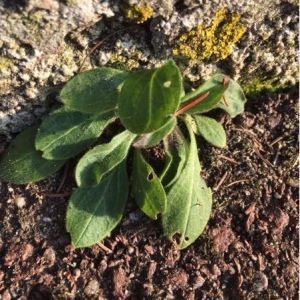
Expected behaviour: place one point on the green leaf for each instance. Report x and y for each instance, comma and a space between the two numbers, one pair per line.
103, 158
176, 148
235, 99
211, 130
93, 91
147, 189
149, 97
189, 201
151, 139
216, 89
66, 132
22, 163
92, 213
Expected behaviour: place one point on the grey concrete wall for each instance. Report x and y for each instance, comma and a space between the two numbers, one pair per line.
43, 43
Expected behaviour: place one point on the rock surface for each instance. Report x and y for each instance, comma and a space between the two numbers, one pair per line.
43, 43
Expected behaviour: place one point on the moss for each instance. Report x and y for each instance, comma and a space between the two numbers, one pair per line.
139, 14
214, 41
258, 85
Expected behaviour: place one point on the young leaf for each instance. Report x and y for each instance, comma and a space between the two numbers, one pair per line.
211, 130
102, 158
235, 99
148, 98
216, 89
93, 212
147, 189
152, 138
188, 201
176, 148
66, 132
93, 91
22, 163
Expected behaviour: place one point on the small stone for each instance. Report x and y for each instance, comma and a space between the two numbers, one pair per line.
91, 288
20, 202
130, 250
76, 273
47, 220
6, 295
151, 269
49, 256
27, 252
260, 281
198, 282
135, 216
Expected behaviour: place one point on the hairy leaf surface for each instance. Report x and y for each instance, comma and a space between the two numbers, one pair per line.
94, 212
188, 202
148, 98
235, 99
66, 132
151, 139
176, 148
93, 91
147, 189
103, 158
211, 130
216, 89
22, 163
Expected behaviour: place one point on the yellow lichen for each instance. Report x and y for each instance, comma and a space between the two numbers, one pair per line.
214, 41
139, 14
122, 62
6, 63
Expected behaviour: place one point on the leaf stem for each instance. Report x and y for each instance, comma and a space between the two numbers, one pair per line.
191, 104
225, 81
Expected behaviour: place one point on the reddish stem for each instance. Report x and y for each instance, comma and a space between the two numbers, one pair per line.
191, 104
225, 81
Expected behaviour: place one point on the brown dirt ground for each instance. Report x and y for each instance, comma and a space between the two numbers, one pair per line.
249, 249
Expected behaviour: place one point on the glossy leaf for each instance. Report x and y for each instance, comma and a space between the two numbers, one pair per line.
103, 158
151, 139
93, 212
147, 189
189, 202
22, 163
148, 98
211, 130
235, 99
66, 132
216, 89
93, 91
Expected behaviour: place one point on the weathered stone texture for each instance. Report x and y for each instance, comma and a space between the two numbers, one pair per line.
43, 43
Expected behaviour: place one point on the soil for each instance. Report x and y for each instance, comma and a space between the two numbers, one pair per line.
249, 249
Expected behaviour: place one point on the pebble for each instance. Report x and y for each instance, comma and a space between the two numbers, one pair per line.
260, 281
135, 216
47, 220
6, 295
27, 252
91, 288
20, 202
49, 256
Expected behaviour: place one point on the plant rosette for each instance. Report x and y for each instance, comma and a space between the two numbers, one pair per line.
153, 109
